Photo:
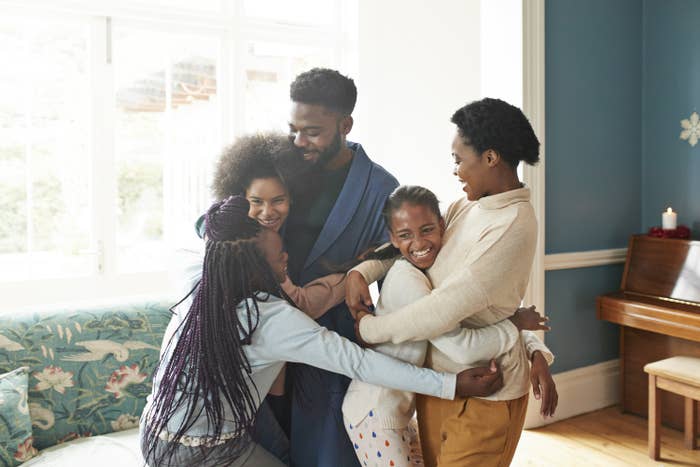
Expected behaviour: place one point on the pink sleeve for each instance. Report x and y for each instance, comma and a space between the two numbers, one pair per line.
318, 296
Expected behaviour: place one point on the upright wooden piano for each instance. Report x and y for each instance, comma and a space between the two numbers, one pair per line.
658, 308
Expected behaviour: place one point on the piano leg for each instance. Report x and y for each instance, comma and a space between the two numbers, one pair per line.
691, 435
623, 362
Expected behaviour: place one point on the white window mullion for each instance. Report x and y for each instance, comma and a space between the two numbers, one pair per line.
238, 69
225, 75
103, 183
169, 165
28, 140
28, 173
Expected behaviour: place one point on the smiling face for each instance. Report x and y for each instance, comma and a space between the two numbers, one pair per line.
270, 244
471, 168
269, 202
319, 132
417, 232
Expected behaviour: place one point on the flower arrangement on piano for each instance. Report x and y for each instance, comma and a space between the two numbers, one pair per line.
679, 232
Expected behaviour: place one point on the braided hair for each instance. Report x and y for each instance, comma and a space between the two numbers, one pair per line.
207, 359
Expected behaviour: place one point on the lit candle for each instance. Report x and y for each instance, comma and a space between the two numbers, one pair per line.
669, 219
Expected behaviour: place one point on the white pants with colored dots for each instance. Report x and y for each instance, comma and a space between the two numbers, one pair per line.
376, 446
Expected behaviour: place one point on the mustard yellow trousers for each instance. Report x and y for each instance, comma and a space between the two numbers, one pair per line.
469, 432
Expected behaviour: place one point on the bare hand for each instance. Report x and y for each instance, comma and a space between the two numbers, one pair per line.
543, 385
357, 295
358, 337
528, 319
482, 381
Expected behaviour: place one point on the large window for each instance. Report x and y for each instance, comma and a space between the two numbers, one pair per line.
112, 116
44, 153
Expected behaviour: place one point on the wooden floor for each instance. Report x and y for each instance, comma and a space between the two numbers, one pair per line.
603, 438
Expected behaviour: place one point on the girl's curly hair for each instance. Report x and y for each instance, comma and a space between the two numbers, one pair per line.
249, 158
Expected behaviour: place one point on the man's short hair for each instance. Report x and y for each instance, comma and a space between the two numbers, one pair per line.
325, 87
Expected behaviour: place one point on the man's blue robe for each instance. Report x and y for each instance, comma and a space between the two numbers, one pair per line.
318, 437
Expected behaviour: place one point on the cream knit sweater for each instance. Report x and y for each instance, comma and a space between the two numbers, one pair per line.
479, 278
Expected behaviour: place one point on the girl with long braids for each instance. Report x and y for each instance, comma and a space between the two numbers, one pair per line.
223, 354
261, 167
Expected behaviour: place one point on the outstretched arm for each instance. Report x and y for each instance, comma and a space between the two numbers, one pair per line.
318, 296
293, 336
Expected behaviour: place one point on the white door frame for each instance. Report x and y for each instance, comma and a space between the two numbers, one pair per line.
534, 176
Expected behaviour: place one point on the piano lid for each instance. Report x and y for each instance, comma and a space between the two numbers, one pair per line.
663, 268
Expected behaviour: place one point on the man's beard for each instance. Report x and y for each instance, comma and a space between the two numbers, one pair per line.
303, 177
325, 156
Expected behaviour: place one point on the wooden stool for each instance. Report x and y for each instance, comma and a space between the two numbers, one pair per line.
679, 375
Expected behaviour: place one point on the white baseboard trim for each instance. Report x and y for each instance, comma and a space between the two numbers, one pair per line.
580, 391
584, 259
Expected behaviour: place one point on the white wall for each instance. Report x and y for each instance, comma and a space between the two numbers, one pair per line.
418, 62
502, 50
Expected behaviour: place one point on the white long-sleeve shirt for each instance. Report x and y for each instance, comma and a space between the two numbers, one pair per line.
285, 334
314, 299
479, 278
403, 285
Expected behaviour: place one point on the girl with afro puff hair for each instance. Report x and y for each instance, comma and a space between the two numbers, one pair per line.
264, 168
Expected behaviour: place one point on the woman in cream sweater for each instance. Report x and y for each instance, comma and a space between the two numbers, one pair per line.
479, 278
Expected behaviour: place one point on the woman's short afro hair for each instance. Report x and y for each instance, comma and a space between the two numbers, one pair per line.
495, 124
249, 158
325, 87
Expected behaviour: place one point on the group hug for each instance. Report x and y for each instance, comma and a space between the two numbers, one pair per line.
277, 354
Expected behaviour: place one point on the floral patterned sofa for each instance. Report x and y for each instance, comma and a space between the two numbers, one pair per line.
89, 372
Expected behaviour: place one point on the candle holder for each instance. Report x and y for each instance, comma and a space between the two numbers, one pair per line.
681, 231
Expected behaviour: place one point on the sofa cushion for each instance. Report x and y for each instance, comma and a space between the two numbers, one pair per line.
15, 425
112, 450
90, 367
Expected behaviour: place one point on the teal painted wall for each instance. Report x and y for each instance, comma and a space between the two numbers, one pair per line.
593, 134
620, 76
593, 162
671, 92
578, 338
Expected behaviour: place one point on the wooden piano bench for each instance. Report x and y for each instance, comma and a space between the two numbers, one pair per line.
679, 375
